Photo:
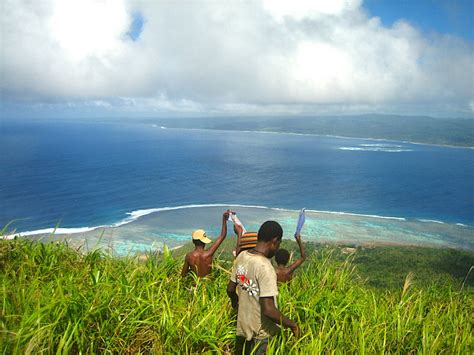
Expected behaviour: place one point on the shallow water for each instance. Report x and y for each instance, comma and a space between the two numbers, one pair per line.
174, 227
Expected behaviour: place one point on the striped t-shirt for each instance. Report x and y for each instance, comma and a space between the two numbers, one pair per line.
248, 240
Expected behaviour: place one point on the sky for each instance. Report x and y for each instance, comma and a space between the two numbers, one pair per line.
133, 58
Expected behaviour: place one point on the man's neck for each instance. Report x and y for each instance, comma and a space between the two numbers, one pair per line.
260, 251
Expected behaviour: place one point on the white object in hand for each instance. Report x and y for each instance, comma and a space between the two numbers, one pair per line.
301, 220
236, 220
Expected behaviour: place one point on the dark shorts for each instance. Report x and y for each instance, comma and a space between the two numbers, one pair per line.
254, 346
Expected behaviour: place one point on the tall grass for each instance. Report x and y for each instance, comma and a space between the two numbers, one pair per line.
56, 300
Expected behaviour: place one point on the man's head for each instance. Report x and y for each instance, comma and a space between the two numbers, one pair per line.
270, 234
200, 238
282, 256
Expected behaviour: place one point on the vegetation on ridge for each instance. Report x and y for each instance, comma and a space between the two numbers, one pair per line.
428, 130
55, 299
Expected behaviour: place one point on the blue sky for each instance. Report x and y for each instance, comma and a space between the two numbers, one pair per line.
453, 17
128, 58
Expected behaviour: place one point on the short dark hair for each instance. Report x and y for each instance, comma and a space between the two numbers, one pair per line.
282, 256
269, 230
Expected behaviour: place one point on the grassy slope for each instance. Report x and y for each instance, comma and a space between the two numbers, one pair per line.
54, 299
382, 267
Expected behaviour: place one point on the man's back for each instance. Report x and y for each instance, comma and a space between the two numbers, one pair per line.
200, 262
283, 273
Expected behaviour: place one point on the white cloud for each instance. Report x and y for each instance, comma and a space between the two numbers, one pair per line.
88, 28
273, 56
300, 9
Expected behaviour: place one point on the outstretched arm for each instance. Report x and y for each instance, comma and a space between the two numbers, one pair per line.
300, 261
270, 311
221, 238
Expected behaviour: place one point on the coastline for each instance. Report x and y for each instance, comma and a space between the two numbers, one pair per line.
152, 229
136, 214
318, 135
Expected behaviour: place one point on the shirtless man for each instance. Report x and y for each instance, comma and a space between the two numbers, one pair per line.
284, 273
199, 260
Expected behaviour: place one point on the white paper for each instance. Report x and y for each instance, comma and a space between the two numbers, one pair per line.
236, 220
301, 220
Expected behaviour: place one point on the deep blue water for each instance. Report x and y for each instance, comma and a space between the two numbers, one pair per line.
87, 174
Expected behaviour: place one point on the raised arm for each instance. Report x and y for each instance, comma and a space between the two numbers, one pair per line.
240, 231
270, 311
302, 258
221, 238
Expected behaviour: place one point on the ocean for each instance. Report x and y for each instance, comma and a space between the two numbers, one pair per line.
144, 186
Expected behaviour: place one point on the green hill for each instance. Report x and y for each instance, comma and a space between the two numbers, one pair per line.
55, 299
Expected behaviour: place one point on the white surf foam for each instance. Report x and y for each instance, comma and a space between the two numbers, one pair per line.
325, 135
375, 149
431, 221
381, 145
52, 230
358, 215
137, 214
134, 215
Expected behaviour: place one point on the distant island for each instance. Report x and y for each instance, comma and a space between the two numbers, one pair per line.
416, 129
